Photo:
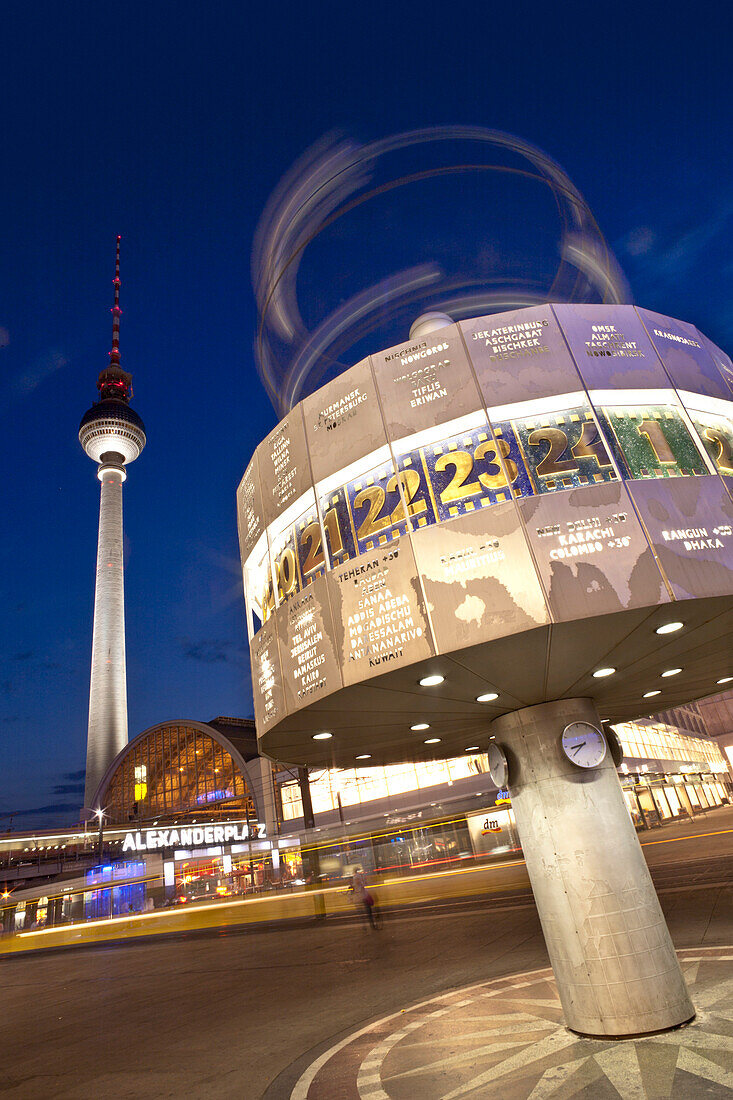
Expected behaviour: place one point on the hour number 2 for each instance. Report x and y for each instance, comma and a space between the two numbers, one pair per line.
724, 458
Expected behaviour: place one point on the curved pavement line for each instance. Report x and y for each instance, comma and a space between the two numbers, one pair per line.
367, 1083
300, 1089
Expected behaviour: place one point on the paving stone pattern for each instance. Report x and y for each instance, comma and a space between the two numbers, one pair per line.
507, 1038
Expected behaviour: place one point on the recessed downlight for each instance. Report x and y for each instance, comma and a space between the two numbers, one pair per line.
431, 681
725, 680
364, 756
322, 736
487, 697
472, 748
421, 726
433, 741
671, 672
668, 628
649, 694
601, 673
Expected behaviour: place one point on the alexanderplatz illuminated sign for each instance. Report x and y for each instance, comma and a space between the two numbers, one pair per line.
506, 509
151, 840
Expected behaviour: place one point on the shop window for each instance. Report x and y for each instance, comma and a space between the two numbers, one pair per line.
673, 800
633, 807
712, 795
693, 795
649, 807
662, 804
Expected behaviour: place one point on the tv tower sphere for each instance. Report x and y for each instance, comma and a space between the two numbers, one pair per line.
112, 434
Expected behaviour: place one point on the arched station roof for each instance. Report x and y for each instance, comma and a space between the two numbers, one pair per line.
182, 766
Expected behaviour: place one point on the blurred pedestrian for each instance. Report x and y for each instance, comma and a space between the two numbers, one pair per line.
364, 897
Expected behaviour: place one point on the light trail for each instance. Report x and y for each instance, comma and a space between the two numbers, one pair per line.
393, 892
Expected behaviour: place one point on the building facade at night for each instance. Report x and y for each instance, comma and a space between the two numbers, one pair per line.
192, 813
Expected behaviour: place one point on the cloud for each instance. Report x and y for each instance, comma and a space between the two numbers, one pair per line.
210, 651
639, 241
26, 655
4, 337
75, 775
52, 808
43, 368
69, 788
665, 252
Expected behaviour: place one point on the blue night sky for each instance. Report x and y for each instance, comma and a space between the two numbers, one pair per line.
171, 124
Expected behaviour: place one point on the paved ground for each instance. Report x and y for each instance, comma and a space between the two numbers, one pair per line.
507, 1037
243, 1014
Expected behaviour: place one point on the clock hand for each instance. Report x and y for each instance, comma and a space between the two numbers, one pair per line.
577, 748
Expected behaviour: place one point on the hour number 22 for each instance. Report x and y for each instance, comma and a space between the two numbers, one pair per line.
375, 497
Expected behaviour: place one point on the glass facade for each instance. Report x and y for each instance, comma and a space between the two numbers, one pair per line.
359, 785
691, 776
659, 741
176, 769
683, 775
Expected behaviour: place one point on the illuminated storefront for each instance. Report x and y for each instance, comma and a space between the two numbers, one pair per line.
667, 773
658, 758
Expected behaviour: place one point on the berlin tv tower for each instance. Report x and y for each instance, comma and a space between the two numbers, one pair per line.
113, 435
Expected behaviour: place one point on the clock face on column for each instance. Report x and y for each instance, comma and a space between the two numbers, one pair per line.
583, 744
498, 769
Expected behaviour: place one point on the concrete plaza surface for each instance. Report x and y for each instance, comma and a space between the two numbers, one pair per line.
252, 1014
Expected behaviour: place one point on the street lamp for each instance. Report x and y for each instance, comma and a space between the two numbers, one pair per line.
100, 815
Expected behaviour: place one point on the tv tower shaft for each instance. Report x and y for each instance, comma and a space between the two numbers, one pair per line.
107, 733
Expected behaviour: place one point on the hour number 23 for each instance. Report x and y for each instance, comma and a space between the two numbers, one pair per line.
463, 462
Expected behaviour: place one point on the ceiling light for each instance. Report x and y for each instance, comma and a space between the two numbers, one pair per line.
322, 736
364, 756
472, 748
431, 681
488, 697
421, 726
668, 628
433, 741
648, 694
671, 672
600, 673
725, 680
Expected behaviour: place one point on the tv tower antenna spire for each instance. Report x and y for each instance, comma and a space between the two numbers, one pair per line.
114, 355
